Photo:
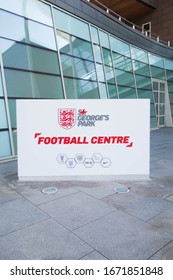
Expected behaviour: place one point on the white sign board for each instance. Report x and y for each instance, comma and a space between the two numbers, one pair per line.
62, 138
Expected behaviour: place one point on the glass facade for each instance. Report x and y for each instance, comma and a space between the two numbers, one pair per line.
48, 53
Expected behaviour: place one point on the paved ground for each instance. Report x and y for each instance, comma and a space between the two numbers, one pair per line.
88, 220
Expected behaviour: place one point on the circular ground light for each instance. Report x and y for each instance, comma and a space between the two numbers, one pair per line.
121, 190
49, 190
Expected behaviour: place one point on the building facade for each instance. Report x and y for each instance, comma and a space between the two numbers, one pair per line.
72, 50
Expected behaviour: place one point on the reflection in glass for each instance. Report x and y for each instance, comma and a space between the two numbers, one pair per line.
79, 68
100, 72
110, 77
97, 53
68, 44
104, 39
141, 68
1, 88
13, 26
81, 89
125, 78
143, 82
112, 91
94, 35
156, 60
32, 85
33, 9
103, 91
12, 108
157, 73
40, 35
139, 55
31, 58
120, 46
5, 149
3, 118
107, 57
71, 25
168, 64
122, 62
125, 92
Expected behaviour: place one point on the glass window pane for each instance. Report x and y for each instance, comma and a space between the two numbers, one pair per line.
112, 91
81, 89
125, 78
5, 149
104, 39
156, 60
168, 64
97, 53
119, 46
122, 62
15, 30
12, 108
170, 86
79, 68
100, 72
103, 91
145, 94
143, 82
162, 97
94, 35
157, 73
110, 77
25, 84
41, 35
141, 68
15, 140
74, 46
30, 58
3, 118
125, 92
139, 55
43, 60
169, 75
155, 85
72, 25
33, 9
156, 98
1, 87
153, 122
162, 86
107, 57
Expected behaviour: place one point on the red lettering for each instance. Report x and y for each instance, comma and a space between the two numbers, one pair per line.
40, 139
94, 140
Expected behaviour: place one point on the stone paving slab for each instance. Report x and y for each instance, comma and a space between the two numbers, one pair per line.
94, 256
17, 214
96, 189
139, 203
46, 240
166, 253
164, 221
76, 210
120, 236
7, 193
33, 191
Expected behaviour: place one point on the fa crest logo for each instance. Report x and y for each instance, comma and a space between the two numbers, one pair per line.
67, 118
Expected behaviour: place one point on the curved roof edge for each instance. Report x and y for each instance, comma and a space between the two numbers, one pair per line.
96, 16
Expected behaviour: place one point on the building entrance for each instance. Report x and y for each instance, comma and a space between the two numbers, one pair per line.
161, 100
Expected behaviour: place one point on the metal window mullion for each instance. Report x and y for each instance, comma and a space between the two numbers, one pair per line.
58, 52
134, 76
115, 76
7, 106
103, 64
94, 59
